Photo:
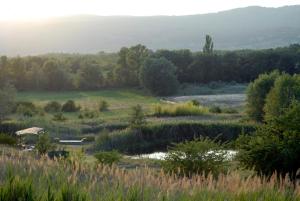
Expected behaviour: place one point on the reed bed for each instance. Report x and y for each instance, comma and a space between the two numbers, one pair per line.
104, 183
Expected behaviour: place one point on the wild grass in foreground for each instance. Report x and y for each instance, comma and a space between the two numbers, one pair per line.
43, 179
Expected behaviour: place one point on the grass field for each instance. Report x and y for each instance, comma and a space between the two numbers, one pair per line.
120, 102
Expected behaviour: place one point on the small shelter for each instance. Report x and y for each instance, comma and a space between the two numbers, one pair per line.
28, 131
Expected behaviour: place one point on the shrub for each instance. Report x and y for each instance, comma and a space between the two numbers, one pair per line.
88, 114
137, 118
195, 102
230, 110
58, 154
286, 89
108, 157
103, 106
7, 139
59, 117
70, 106
159, 76
157, 137
43, 144
215, 109
274, 146
199, 156
53, 106
27, 109
256, 95
180, 109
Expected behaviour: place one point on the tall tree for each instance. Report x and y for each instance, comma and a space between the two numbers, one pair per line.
7, 99
209, 45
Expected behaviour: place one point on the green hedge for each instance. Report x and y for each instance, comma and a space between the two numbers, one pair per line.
157, 137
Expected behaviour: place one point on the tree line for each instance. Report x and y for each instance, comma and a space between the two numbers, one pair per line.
54, 72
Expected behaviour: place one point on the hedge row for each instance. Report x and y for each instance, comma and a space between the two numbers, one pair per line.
157, 137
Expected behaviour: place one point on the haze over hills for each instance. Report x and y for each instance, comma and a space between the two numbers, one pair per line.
251, 27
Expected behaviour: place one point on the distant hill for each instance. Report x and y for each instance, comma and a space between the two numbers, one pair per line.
251, 27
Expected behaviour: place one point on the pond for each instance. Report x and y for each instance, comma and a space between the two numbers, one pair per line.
230, 154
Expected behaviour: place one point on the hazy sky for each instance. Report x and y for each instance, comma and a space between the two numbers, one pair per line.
38, 9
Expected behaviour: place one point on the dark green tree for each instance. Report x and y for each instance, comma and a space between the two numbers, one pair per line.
158, 76
286, 89
209, 45
256, 94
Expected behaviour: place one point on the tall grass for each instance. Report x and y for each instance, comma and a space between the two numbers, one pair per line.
180, 109
74, 181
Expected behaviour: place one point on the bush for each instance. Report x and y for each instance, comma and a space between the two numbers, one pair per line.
286, 89
157, 137
103, 106
180, 109
159, 76
7, 139
108, 157
53, 106
196, 157
43, 144
88, 114
195, 102
230, 110
27, 109
70, 106
215, 109
137, 118
274, 146
59, 117
256, 94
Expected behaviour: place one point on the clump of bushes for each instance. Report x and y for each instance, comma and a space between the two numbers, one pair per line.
70, 106
180, 109
53, 106
103, 106
59, 117
88, 114
7, 139
202, 155
275, 145
108, 157
229, 110
27, 109
137, 119
215, 109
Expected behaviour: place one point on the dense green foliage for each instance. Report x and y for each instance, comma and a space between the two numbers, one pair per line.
43, 144
158, 76
56, 72
201, 156
286, 89
274, 146
181, 109
70, 106
157, 137
256, 94
7, 139
53, 106
137, 118
108, 157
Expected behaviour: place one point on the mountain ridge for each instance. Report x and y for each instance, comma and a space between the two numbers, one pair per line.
241, 28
